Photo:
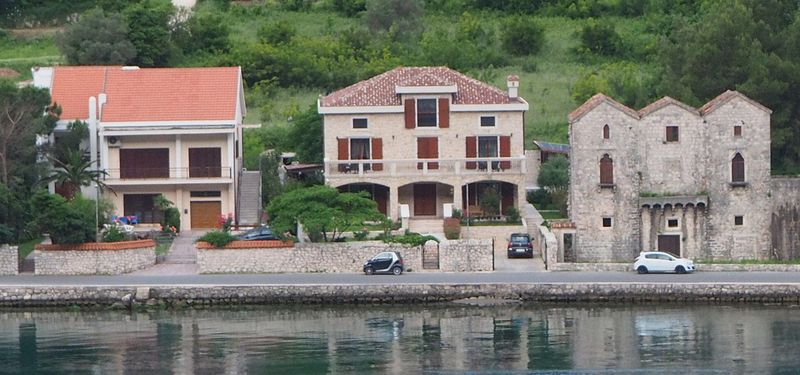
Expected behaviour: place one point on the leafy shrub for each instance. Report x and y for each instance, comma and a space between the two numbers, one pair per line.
361, 235
113, 234
217, 238
225, 222
349, 8
280, 32
521, 36
600, 38
6, 234
68, 222
512, 215
452, 228
490, 202
172, 218
413, 239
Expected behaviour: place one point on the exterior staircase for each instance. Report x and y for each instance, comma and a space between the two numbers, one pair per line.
426, 226
249, 209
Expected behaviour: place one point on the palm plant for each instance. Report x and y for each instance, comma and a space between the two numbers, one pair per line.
75, 171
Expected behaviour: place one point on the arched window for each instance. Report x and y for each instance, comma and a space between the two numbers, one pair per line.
606, 171
606, 132
737, 168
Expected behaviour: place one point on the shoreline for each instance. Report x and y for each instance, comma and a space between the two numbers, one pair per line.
179, 296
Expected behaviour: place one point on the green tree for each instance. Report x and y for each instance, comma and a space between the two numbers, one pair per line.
306, 136
554, 178
74, 172
600, 38
629, 83
401, 19
324, 212
521, 36
151, 31
203, 31
68, 222
97, 38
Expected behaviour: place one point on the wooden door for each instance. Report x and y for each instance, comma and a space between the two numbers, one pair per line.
425, 200
670, 243
204, 215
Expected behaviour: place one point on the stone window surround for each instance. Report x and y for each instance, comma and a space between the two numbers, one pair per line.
606, 131
436, 111
672, 134
737, 131
738, 220
677, 226
737, 183
494, 121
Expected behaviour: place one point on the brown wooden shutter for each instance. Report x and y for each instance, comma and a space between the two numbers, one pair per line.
472, 151
505, 151
344, 153
377, 153
422, 150
606, 171
737, 168
428, 148
411, 114
444, 113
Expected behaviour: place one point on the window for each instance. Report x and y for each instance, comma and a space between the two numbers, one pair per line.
606, 222
606, 171
737, 131
359, 123
606, 132
359, 149
672, 134
487, 121
141, 206
144, 163
487, 148
672, 223
205, 162
203, 194
426, 112
738, 220
737, 169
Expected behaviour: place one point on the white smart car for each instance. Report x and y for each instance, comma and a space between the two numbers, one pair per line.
657, 261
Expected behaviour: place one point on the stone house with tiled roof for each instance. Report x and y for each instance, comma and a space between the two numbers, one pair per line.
425, 140
171, 131
691, 181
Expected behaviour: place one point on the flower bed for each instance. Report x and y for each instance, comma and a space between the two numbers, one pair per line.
101, 258
264, 244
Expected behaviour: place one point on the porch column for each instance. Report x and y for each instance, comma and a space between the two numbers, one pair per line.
458, 198
394, 202
178, 157
644, 217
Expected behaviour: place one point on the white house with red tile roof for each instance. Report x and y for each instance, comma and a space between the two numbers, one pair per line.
171, 131
424, 140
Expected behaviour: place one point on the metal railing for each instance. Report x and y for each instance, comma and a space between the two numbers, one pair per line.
151, 173
412, 167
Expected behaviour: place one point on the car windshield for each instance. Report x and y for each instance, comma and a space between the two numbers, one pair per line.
519, 239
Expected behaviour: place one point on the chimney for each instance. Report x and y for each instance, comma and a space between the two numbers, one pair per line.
513, 86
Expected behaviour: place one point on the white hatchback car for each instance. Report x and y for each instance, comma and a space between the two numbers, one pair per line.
657, 261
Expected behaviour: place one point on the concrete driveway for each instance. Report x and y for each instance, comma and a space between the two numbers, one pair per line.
503, 264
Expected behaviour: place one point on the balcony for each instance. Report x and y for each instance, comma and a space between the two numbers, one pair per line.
426, 167
158, 175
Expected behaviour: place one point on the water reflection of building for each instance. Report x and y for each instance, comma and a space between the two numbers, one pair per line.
400, 340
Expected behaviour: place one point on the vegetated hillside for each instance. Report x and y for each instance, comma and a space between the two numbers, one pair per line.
292, 51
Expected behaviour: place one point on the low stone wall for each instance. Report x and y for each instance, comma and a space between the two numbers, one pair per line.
112, 258
180, 296
628, 267
466, 256
785, 223
303, 257
9, 260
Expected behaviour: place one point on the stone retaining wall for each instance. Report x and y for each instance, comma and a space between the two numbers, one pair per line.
179, 296
628, 267
118, 258
303, 257
466, 256
9, 260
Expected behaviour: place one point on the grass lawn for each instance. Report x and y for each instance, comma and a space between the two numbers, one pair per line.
551, 214
26, 247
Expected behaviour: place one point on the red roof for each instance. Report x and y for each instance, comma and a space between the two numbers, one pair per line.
160, 94
380, 90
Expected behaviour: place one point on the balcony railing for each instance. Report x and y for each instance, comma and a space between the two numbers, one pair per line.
154, 173
415, 167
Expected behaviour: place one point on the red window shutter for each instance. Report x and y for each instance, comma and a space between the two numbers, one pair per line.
433, 152
472, 151
428, 148
377, 153
606, 171
444, 113
411, 114
422, 150
343, 153
505, 151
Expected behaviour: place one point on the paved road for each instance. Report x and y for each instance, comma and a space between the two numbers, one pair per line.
407, 278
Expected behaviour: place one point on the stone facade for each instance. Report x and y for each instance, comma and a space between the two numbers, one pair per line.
457, 255
672, 184
112, 261
9, 260
785, 223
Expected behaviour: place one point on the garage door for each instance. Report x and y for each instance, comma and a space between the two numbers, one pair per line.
205, 214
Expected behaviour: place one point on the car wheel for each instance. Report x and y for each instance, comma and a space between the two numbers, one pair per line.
369, 271
641, 270
397, 271
680, 270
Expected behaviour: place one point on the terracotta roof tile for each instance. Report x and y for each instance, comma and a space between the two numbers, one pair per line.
727, 96
596, 100
380, 90
663, 102
160, 94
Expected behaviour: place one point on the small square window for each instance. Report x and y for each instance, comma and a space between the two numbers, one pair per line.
737, 131
672, 134
487, 120
738, 220
359, 123
672, 223
606, 222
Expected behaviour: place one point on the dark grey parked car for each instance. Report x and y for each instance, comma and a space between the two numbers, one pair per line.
262, 232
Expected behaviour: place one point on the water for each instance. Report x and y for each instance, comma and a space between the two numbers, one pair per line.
662, 339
